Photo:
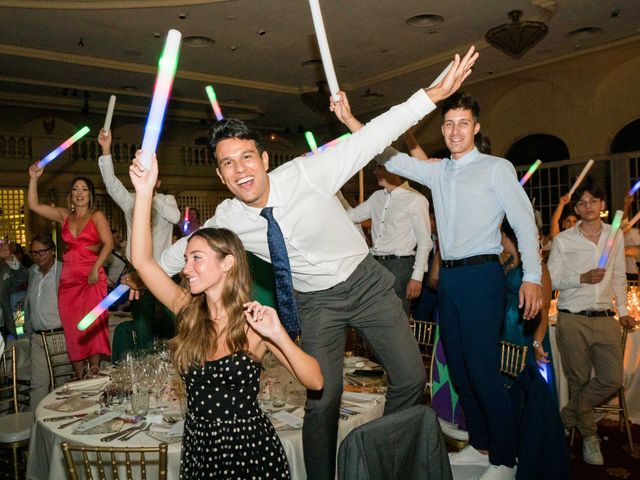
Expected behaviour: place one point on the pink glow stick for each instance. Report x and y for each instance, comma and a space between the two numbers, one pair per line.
66, 144
214, 102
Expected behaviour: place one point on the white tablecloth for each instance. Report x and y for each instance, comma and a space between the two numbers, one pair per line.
46, 461
631, 373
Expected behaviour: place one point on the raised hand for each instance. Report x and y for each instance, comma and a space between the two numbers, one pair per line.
264, 320
35, 171
104, 139
143, 179
458, 72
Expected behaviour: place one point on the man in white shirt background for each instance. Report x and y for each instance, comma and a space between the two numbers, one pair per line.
164, 215
400, 232
41, 311
589, 337
337, 284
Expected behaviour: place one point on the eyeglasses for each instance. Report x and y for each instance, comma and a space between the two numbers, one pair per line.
37, 253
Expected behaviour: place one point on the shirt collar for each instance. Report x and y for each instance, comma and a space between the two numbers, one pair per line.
466, 159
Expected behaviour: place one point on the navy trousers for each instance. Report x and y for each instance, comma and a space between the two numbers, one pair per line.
472, 306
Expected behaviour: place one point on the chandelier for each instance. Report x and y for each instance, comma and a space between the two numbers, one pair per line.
516, 38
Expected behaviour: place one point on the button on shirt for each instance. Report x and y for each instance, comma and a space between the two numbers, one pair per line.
471, 196
42, 296
323, 244
399, 224
572, 254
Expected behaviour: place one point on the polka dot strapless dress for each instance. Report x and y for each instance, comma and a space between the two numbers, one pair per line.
226, 435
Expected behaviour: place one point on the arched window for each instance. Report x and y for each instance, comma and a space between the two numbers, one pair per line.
538, 146
627, 139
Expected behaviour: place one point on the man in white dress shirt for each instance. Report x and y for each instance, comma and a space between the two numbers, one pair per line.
472, 192
41, 311
164, 215
400, 232
588, 334
337, 283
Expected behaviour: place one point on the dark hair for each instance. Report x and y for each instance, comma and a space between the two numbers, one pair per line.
461, 100
483, 144
507, 229
232, 128
45, 240
92, 192
594, 190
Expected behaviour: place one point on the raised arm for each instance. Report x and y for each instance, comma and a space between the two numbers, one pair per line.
106, 239
56, 214
114, 186
557, 214
156, 280
415, 150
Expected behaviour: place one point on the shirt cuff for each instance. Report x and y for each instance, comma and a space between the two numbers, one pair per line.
13, 262
418, 274
532, 278
420, 103
622, 311
104, 158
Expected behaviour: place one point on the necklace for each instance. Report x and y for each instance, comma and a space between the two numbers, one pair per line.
590, 234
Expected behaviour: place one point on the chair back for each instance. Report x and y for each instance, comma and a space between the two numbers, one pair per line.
8, 381
512, 358
60, 367
103, 460
425, 333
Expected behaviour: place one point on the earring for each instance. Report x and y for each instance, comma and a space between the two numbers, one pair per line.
73, 207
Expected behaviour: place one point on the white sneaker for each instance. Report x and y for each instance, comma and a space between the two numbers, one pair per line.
451, 430
502, 472
591, 453
469, 456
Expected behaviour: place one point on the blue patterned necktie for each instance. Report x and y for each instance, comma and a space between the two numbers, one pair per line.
282, 271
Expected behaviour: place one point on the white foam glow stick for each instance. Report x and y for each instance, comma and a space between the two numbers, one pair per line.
323, 45
166, 71
107, 119
443, 73
583, 174
633, 221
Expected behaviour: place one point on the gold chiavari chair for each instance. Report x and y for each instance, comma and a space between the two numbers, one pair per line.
60, 367
512, 358
15, 428
101, 459
425, 333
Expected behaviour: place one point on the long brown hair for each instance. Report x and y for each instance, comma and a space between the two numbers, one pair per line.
197, 334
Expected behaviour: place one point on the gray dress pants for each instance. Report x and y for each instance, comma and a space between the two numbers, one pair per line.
367, 302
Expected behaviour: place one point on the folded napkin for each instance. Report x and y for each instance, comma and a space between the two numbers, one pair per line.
362, 400
95, 383
71, 404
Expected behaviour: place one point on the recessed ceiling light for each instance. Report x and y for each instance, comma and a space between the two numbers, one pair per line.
196, 41
584, 32
156, 34
233, 48
311, 63
129, 88
262, 32
182, 16
425, 20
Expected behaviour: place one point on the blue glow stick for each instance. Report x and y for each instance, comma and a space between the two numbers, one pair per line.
66, 144
166, 71
102, 307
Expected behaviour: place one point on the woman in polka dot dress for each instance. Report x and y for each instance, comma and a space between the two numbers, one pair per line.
221, 339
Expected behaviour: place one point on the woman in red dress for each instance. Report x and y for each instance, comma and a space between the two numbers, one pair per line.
83, 283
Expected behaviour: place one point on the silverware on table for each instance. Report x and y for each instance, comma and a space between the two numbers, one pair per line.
121, 433
133, 434
65, 425
64, 417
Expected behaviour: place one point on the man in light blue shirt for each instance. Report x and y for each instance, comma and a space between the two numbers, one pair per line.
472, 192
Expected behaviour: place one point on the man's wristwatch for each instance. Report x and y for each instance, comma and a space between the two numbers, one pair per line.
536, 344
